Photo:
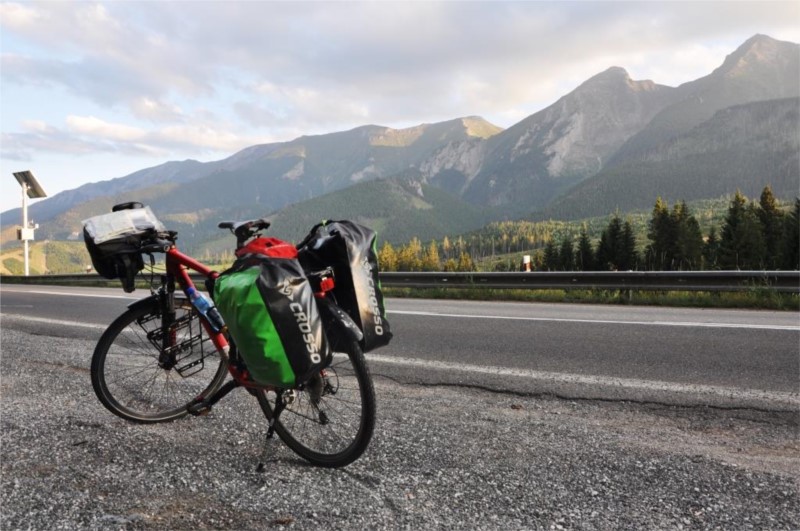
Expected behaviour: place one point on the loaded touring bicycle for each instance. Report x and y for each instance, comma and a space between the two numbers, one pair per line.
290, 324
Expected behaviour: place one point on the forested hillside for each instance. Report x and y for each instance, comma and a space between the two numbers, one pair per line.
732, 233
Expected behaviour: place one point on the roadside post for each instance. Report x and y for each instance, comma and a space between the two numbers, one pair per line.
33, 190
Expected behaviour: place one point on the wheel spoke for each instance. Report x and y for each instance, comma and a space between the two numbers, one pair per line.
335, 428
128, 379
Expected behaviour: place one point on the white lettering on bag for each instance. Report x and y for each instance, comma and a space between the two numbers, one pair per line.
373, 298
305, 328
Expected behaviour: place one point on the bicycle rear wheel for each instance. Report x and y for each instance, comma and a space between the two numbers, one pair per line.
127, 376
330, 420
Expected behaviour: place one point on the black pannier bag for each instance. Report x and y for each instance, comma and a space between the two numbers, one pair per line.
113, 242
269, 307
350, 249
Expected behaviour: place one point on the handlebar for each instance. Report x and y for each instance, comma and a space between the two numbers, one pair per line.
157, 245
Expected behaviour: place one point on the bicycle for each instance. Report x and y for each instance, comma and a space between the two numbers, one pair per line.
162, 360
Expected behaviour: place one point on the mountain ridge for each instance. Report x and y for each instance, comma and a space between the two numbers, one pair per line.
611, 133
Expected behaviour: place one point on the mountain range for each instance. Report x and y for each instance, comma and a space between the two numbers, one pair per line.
613, 143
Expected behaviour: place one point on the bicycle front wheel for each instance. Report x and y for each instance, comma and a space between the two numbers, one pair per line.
329, 421
135, 380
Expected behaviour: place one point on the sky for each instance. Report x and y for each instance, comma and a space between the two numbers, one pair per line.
91, 91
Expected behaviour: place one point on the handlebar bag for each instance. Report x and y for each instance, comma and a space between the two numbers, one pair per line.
113, 241
350, 249
269, 307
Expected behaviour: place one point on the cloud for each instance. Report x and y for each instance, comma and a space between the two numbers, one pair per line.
95, 127
86, 135
375, 53
156, 111
193, 78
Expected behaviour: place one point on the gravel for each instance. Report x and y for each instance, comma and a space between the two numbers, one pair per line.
442, 457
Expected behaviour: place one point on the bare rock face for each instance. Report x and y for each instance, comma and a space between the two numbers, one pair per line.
580, 131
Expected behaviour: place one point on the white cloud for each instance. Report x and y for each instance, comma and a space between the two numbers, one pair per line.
18, 16
95, 127
155, 110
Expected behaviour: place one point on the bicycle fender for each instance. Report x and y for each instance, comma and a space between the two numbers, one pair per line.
336, 318
147, 301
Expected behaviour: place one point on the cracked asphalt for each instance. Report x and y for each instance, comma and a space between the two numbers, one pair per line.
443, 457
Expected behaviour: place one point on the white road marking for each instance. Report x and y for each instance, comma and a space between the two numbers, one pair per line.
790, 399
73, 294
601, 321
742, 326
58, 322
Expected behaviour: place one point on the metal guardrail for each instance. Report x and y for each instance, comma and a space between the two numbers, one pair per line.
781, 281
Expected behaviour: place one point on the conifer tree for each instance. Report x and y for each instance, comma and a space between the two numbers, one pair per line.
585, 255
446, 247
566, 255
611, 248
409, 257
791, 238
741, 242
687, 249
387, 258
659, 232
465, 262
711, 250
627, 257
550, 259
605, 251
430, 260
772, 222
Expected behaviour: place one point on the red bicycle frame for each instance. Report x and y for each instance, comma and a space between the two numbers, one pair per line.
178, 266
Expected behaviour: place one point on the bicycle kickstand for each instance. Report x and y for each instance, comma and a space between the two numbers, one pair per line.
280, 405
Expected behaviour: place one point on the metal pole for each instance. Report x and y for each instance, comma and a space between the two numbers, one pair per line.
25, 225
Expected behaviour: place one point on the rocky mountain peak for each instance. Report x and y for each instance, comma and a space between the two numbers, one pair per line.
757, 53
614, 79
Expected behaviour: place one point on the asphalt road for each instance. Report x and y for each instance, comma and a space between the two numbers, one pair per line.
686, 356
469, 436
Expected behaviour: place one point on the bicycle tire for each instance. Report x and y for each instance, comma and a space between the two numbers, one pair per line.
336, 430
125, 371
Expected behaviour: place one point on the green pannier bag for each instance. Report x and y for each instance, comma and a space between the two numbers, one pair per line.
269, 307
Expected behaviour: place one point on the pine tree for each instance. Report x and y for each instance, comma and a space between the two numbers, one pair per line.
409, 257
550, 260
660, 233
741, 243
605, 251
430, 259
465, 262
711, 250
446, 247
791, 239
387, 258
566, 256
772, 222
611, 248
627, 257
585, 254
687, 249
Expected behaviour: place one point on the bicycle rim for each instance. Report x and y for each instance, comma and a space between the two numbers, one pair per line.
126, 375
330, 421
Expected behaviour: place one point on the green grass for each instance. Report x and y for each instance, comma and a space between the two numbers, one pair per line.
757, 298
